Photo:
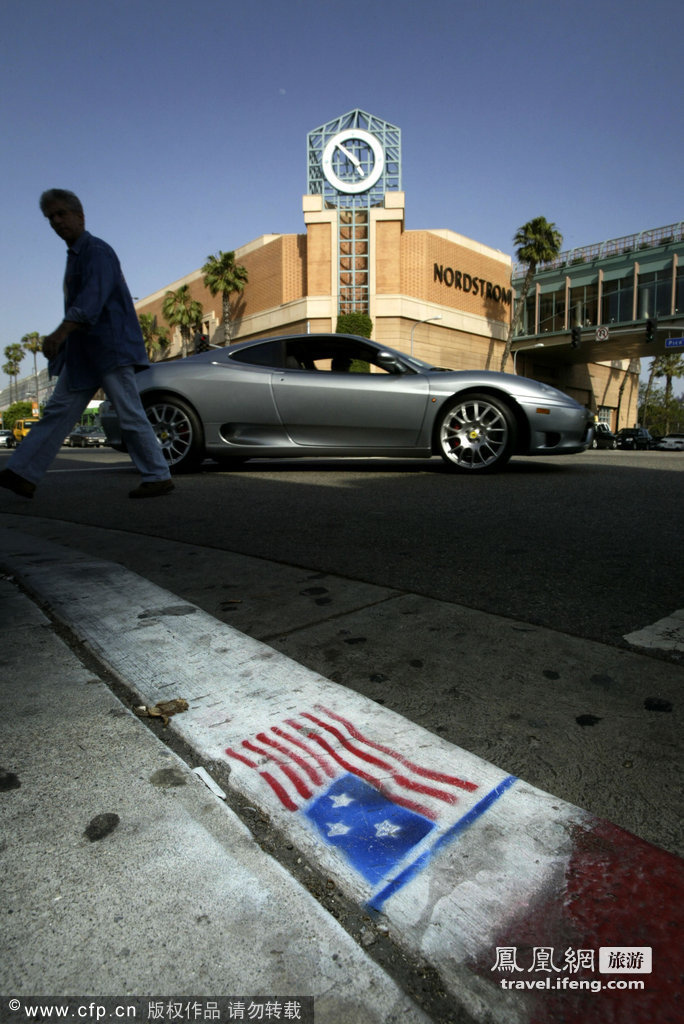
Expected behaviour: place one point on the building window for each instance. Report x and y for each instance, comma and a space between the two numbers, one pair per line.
618, 298
655, 294
584, 305
353, 260
552, 311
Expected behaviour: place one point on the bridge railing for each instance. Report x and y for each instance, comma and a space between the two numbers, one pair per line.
648, 239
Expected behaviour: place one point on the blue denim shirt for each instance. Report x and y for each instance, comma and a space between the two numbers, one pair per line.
96, 295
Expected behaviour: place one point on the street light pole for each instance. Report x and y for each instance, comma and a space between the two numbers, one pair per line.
418, 323
540, 344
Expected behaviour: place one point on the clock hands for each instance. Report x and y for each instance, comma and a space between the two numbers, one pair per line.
361, 161
353, 158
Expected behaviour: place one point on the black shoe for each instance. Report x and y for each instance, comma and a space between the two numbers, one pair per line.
152, 489
13, 482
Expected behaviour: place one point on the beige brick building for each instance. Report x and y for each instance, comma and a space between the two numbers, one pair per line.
461, 287
443, 297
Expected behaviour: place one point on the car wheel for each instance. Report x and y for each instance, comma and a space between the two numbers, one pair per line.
476, 433
613, 444
178, 431
594, 443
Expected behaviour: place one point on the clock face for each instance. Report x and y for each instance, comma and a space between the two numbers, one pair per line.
353, 160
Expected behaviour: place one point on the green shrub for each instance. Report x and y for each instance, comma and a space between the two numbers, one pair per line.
17, 411
354, 323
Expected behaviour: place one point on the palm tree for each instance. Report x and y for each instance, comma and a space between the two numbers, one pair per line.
156, 338
33, 343
222, 274
632, 368
669, 367
538, 241
179, 309
13, 354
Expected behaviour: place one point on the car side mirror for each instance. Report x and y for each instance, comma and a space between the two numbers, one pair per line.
388, 361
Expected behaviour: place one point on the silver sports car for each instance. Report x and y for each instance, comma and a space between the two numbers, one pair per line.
309, 395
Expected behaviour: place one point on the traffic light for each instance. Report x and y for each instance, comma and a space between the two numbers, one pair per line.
650, 330
576, 337
201, 343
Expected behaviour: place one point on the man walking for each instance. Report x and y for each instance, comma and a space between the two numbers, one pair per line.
99, 344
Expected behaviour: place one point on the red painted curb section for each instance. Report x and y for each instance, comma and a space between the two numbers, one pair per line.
617, 891
530, 910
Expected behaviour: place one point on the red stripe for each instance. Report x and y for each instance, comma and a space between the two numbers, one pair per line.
279, 791
311, 772
401, 780
298, 783
375, 783
241, 757
449, 780
320, 760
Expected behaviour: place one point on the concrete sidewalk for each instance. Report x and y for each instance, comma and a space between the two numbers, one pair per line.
511, 902
123, 874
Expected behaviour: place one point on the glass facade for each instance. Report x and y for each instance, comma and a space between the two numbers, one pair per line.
584, 305
655, 294
608, 284
353, 260
551, 311
618, 300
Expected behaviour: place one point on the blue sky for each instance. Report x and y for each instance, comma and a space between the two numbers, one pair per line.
183, 126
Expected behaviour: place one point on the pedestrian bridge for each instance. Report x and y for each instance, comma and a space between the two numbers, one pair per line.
615, 300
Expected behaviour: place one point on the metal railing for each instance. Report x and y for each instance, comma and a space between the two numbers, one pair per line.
613, 247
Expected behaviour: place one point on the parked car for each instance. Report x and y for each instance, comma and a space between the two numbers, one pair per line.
86, 437
635, 437
334, 395
604, 437
6, 439
671, 443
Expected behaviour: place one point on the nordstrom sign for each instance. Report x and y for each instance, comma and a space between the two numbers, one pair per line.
458, 279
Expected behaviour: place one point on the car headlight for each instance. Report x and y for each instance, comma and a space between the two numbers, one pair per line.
551, 391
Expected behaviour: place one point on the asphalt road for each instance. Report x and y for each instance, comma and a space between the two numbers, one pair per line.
492, 610
590, 545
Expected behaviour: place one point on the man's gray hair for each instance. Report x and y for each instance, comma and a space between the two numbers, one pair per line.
61, 195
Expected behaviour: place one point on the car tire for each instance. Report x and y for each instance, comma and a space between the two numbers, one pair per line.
476, 433
178, 431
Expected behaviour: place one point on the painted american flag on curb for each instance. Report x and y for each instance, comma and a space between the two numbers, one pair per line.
365, 798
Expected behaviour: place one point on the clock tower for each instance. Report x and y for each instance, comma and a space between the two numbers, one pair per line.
353, 162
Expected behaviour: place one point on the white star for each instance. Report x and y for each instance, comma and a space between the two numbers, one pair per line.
386, 828
337, 829
342, 800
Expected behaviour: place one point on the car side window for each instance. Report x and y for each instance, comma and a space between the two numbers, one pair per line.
332, 358
268, 353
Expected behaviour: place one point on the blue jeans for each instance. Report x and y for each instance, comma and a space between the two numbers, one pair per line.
32, 459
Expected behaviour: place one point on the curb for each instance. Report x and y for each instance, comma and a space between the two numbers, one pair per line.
528, 908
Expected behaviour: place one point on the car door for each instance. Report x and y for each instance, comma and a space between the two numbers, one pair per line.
351, 410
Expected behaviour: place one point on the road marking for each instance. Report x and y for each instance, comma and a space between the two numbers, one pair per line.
664, 635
